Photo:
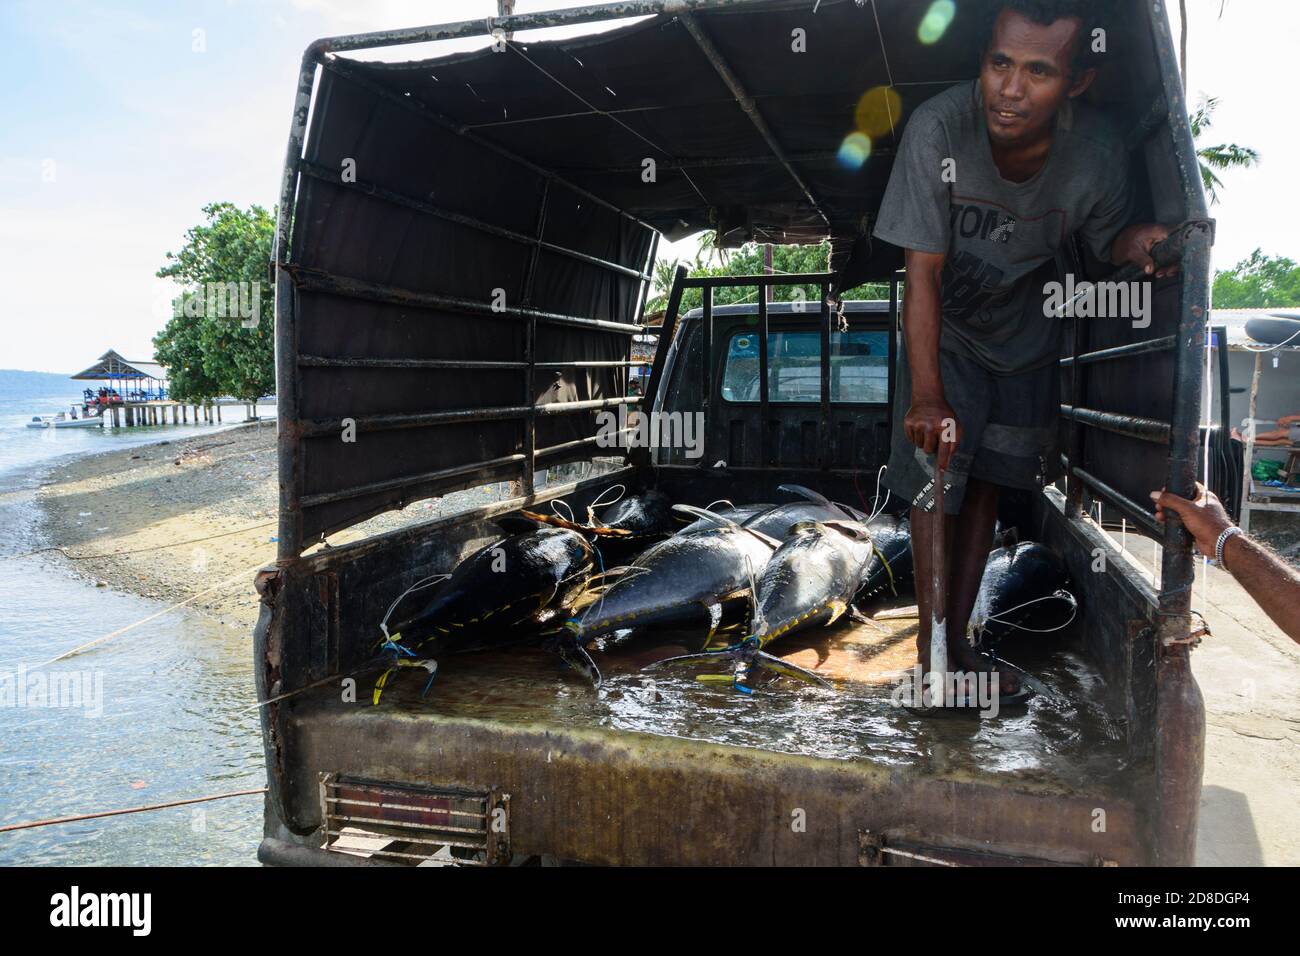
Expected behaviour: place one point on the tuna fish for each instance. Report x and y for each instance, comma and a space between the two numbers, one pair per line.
624, 528
501, 594
690, 579
645, 515
736, 513
779, 519
1022, 591
891, 565
810, 581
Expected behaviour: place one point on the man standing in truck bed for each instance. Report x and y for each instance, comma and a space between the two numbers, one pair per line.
992, 180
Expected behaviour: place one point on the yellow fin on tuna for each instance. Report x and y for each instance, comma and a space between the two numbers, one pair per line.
837, 609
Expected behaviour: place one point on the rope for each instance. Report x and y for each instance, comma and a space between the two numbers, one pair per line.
884, 55
369, 665
154, 616
419, 585
601, 559
591, 106
599, 502
1271, 348
881, 506
555, 508
1057, 596
30, 824
977, 630
893, 585
160, 547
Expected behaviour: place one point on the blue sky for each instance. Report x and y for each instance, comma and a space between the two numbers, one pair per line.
115, 131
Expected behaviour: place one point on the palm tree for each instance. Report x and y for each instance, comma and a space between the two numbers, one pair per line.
1221, 157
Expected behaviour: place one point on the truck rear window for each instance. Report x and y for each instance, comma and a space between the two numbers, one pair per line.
859, 367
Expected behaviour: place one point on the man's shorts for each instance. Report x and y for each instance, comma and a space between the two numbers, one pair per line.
1009, 431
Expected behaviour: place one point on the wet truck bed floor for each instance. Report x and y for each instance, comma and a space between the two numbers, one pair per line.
1061, 742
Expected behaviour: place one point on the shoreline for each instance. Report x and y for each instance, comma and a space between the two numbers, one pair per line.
168, 520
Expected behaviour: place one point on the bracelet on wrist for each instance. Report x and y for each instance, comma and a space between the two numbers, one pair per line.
1227, 533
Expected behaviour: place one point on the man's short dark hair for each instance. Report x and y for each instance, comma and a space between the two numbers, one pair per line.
1092, 14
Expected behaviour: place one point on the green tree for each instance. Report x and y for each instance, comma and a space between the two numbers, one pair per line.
1258, 282
208, 346
748, 260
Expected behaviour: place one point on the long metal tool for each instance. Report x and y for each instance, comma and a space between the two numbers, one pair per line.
938, 596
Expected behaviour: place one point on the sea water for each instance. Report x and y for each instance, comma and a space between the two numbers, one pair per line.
157, 714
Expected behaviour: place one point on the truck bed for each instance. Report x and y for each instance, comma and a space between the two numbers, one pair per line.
518, 720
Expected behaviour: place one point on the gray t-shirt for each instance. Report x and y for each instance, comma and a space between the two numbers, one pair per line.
1002, 238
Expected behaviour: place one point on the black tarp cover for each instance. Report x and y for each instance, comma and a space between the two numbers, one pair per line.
515, 138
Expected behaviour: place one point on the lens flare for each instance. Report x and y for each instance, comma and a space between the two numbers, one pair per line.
854, 150
936, 21
879, 111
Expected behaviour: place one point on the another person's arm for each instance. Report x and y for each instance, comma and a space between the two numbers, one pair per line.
1273, 583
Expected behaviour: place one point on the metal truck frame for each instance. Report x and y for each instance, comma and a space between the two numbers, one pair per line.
315, 605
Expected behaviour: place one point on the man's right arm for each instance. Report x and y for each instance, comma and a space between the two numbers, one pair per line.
930, 419
915, 216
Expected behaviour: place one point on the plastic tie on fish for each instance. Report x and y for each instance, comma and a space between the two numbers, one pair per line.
600, 503
888, 569
397, 649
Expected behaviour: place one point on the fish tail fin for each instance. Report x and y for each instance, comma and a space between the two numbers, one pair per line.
567, 642
785, 669
576, 656
714, 610
739, 656
805, 493
732, 652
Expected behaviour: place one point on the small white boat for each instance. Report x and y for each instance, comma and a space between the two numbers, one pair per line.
61, 420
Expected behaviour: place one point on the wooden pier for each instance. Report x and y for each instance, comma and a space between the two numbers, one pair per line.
134, 393
167, 412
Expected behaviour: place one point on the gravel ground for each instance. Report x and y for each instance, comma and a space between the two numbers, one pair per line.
172, 520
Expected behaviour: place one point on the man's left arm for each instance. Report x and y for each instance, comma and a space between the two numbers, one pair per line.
1110, 238
1133, 247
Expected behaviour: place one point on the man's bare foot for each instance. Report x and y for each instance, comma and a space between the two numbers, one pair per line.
962, 656
966, 658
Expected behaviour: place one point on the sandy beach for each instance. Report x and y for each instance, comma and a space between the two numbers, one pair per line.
174, 519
